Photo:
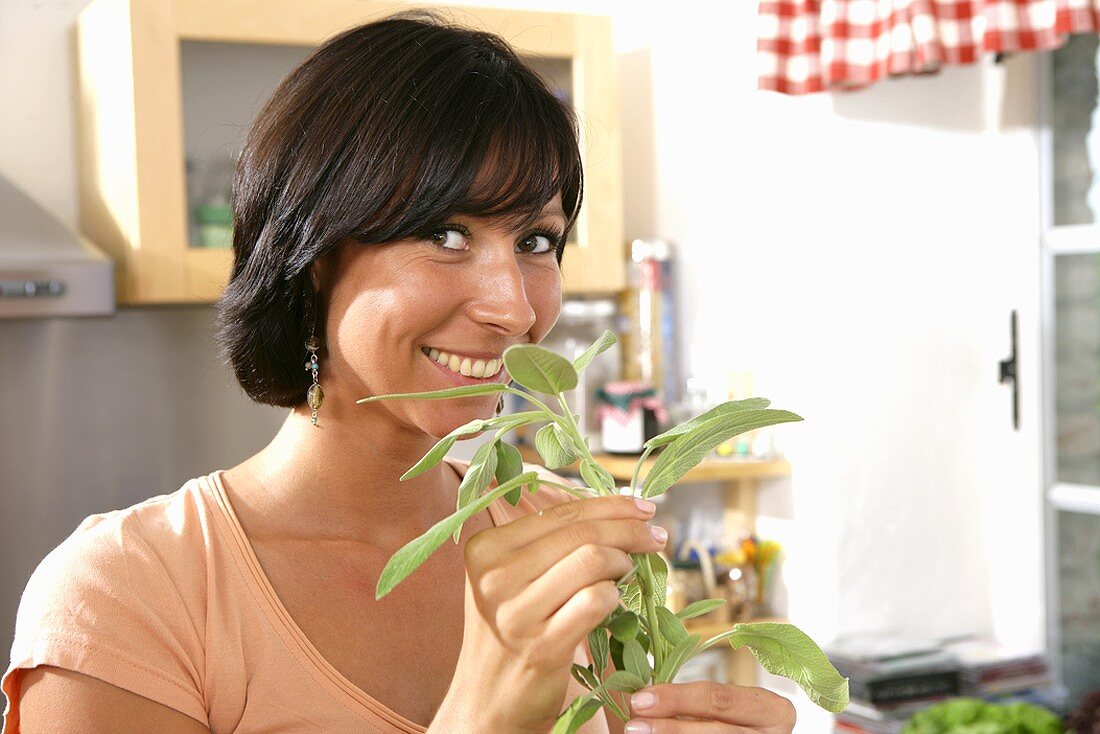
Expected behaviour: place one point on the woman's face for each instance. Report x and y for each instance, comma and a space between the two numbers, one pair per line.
438, 312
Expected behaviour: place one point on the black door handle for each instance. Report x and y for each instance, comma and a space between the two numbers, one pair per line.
1008, 372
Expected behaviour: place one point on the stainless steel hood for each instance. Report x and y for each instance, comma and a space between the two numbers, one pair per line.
46, 269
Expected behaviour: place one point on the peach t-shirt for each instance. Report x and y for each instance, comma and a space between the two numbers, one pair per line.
168, 600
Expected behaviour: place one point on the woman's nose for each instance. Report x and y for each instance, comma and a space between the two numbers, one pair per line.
500, 299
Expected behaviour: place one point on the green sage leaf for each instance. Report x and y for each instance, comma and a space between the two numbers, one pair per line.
732, 406
601, 345
596, 476
539, 369
616, 649
451, 392
585, 677
680, 654
509, 466
633, 598
672, 629
477, 478
414, 553
597, 644
785, 650
623, 680
581, 710
699, 608
554, 447
635, 660
625, 626
692, 447
439, 451
660, 578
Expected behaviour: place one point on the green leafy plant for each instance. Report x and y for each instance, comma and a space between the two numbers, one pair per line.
966, 715
641, 626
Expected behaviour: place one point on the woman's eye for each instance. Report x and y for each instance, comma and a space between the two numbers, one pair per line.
536, 243
449, 239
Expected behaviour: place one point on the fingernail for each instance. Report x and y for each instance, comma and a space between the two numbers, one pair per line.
659, 534
644, 505
637, 727
642, 700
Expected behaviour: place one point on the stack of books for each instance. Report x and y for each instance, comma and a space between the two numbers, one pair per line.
997, 673
891, 677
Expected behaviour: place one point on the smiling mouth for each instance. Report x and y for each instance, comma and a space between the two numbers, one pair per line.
483, 369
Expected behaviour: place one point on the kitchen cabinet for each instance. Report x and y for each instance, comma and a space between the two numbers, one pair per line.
739, 480
135, 198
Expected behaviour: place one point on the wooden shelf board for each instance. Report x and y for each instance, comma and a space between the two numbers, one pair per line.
709, 629
711, 470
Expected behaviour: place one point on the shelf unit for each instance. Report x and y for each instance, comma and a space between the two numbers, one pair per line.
739, 479
133, 179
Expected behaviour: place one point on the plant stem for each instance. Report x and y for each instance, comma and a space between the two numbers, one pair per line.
609, 701
534, 401
575, 491
578, 439
638, 467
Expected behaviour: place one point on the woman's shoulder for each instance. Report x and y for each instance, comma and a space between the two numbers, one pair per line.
160, 522
154, 546
123, 599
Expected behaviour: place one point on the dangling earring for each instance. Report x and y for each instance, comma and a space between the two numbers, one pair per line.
500, 404
314, 395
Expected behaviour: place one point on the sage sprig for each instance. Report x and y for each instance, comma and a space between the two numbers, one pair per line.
642, 627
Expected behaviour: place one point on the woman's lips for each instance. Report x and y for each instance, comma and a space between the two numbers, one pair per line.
460, 379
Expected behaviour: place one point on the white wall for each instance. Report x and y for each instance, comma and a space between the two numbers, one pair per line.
860, 252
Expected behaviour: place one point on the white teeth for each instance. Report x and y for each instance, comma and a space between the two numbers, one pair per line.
468, 366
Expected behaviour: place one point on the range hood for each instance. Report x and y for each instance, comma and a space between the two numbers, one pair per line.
46, 269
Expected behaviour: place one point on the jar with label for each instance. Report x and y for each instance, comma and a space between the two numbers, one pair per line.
630, 414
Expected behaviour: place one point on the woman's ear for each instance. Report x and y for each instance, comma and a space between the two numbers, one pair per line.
323, 267
319, 273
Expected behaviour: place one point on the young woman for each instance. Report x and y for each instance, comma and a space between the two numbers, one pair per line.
400, 211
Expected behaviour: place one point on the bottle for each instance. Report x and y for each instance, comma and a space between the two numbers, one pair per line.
651, 350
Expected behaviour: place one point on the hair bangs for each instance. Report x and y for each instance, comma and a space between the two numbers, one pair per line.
499, 145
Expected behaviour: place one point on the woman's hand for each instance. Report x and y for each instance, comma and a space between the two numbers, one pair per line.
535, 588
710, 708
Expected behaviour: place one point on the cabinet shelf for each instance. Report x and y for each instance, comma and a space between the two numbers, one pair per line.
710, 470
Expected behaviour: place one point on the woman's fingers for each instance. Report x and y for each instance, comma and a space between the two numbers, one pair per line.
587, 565
525, 530
756, 709
517, 553
582, 541
583, 611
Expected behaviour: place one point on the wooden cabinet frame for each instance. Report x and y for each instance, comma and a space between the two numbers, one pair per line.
133, 200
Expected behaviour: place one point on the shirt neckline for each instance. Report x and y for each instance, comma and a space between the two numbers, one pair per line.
278, 613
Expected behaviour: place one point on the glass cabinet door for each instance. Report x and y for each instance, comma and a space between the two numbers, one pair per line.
1071, 262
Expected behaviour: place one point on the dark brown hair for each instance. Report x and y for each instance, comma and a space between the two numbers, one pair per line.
380, 134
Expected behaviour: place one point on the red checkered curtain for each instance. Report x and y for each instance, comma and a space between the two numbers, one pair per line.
817, 45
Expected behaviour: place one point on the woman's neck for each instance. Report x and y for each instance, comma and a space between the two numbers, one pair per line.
339, 481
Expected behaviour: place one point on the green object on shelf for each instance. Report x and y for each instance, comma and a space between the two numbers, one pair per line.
215, 225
